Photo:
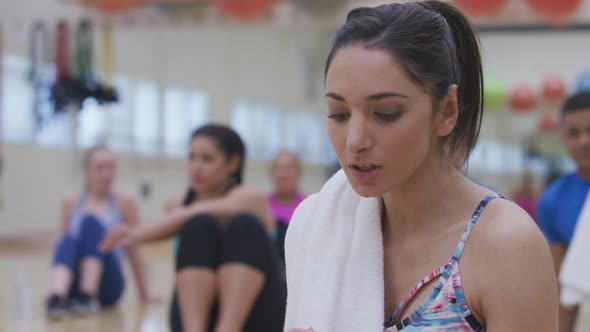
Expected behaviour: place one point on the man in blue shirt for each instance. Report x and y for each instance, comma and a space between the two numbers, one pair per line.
561, 203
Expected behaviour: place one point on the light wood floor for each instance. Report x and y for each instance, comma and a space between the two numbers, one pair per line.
23, 287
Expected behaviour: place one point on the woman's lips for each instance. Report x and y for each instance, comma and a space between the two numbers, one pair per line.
365, 172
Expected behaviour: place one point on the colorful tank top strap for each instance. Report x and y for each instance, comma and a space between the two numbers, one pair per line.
478, 211
114, 213
80, 203
433, 275
443, 272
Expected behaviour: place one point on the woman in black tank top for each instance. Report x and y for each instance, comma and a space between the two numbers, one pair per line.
227, 271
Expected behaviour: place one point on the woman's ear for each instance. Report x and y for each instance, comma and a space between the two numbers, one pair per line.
447, 117
233, 164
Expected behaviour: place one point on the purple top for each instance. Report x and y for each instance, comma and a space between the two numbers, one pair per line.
526, 203
284, 212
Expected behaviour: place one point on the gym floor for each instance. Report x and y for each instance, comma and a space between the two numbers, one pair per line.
24, 266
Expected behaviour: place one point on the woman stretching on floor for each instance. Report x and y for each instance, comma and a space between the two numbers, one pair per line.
83, 279
227, 272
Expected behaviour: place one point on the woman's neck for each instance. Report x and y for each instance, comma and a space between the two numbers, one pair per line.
211, 194
527, 191
97, 195
584, 173
433, 195
285, 197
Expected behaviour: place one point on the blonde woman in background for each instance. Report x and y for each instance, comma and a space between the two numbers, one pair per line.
83, 279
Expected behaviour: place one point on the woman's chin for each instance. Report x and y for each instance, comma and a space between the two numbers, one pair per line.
367, 190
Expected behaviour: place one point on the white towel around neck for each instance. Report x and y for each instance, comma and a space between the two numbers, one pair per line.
334, 256
574, 275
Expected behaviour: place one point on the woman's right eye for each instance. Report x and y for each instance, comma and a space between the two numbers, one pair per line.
338, 117
206, 158
573, 132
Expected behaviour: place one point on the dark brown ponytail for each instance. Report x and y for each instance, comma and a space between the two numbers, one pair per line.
470, 87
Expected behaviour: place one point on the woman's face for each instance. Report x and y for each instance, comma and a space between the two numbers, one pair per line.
208, 167
285, 173
380, 123
100, 171
575, 135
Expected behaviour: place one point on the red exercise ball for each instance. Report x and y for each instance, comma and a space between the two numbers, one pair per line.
553, 89
554, 9
319, 7
245, 9
113, 6
548, 123
523, 99
481, 7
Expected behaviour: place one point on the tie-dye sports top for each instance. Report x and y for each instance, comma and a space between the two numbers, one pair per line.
445, 310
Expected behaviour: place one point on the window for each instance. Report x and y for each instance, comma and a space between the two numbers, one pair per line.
184, 110
266, 129
17, 114
28, 116
259, 125
91, 124
304, 132
119, 128
497, 158
96, 123
56, 131
146, 118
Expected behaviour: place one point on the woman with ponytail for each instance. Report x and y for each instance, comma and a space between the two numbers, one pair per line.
400, 239
227, 271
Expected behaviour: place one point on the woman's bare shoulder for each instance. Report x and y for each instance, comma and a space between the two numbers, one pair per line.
71, 197
124, 199
505, 224
248, 193
69, 200
507, 267
174, 203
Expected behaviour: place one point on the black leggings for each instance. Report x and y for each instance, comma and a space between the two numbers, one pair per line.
204, 244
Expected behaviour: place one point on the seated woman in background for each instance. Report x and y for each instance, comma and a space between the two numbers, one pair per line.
227, 271
526, 194
82, 278
285, 174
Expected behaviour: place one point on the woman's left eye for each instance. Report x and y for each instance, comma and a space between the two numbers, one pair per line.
388, 116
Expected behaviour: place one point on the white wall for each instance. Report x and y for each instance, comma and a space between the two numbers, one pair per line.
35, 179
528, 57
257, 62
517, 58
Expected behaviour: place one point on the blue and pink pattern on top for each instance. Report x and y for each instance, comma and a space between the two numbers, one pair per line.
445, 310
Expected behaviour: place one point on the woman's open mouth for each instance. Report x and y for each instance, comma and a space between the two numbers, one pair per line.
365, 172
